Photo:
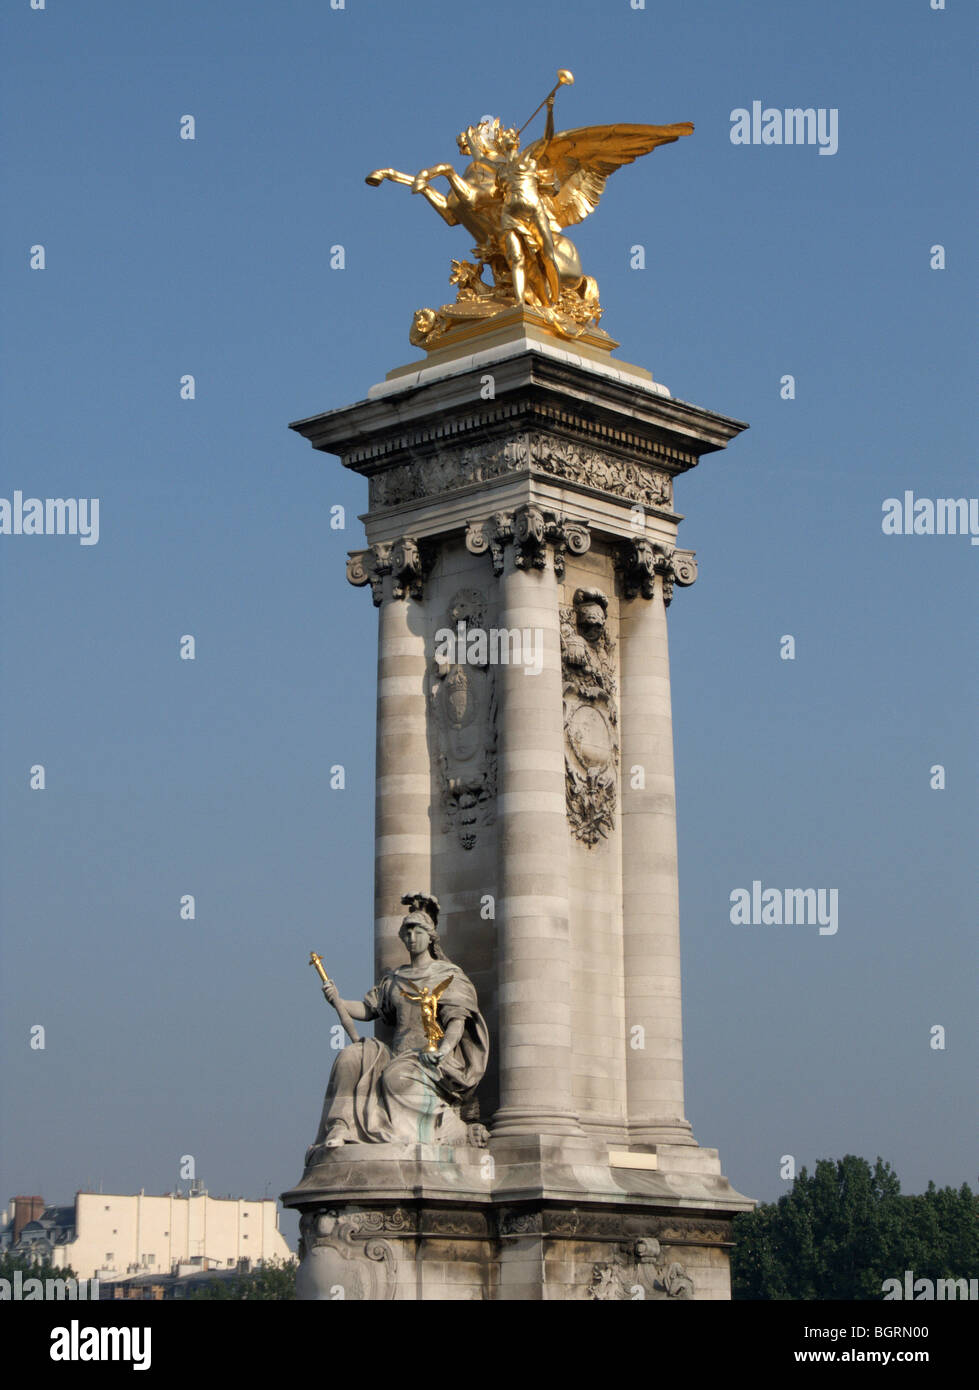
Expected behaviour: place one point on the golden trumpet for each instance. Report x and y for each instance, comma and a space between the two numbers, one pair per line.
565, 78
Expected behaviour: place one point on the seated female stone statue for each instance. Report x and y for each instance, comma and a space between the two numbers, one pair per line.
412, 1091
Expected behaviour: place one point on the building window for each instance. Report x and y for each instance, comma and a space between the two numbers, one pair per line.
109, 1257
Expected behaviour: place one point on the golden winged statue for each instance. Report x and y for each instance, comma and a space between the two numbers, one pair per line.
515, 203
429, 1001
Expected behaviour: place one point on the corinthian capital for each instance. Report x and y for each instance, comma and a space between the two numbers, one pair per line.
407, 569
402, 559
685, 567
531, 531
568, 535
640, 561
490, 534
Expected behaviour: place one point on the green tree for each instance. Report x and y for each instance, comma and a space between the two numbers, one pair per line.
10, 1263
844, 1229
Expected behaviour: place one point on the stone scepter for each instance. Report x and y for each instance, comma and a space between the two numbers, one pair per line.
344, 1017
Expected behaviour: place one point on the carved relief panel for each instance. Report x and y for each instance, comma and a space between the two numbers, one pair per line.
591, 738
462, 700
640, 1269
343, 1254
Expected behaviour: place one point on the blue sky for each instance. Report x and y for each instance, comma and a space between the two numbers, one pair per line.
164, 257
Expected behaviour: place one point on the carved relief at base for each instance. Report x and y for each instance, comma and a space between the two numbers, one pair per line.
345, 1256
590, 716
641, 1269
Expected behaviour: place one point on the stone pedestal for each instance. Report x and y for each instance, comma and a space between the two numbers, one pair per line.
526, 491
530, 1218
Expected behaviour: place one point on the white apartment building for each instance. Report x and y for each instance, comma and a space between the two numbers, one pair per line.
113, 1235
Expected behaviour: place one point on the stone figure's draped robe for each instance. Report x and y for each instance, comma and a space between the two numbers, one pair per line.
390, 1094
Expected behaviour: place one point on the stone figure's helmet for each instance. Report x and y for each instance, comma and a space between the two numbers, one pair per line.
423, 908
591, 608
423, 911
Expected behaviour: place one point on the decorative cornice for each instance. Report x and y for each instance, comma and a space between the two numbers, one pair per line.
530, 413
532, 390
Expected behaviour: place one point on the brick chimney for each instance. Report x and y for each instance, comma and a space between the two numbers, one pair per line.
26, 1209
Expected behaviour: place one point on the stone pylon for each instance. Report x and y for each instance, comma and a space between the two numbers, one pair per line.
522, 555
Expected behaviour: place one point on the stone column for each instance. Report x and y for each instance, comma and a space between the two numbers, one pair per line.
650, 893
402, 825
532, 911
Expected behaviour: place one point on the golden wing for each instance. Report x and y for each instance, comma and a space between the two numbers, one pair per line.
437, 991
580, 161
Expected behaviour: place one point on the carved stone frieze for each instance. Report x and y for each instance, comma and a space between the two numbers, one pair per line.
462, 699
435, 474
454, 468
627, 1230
394, 1219
539, 1223
579, 463
474, 1225
591, 743
612, 1226
631, 479
640, 560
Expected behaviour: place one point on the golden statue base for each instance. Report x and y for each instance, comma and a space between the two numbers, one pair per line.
503, 321
516, 325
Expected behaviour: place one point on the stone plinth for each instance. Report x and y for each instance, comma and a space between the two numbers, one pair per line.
547, 1218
